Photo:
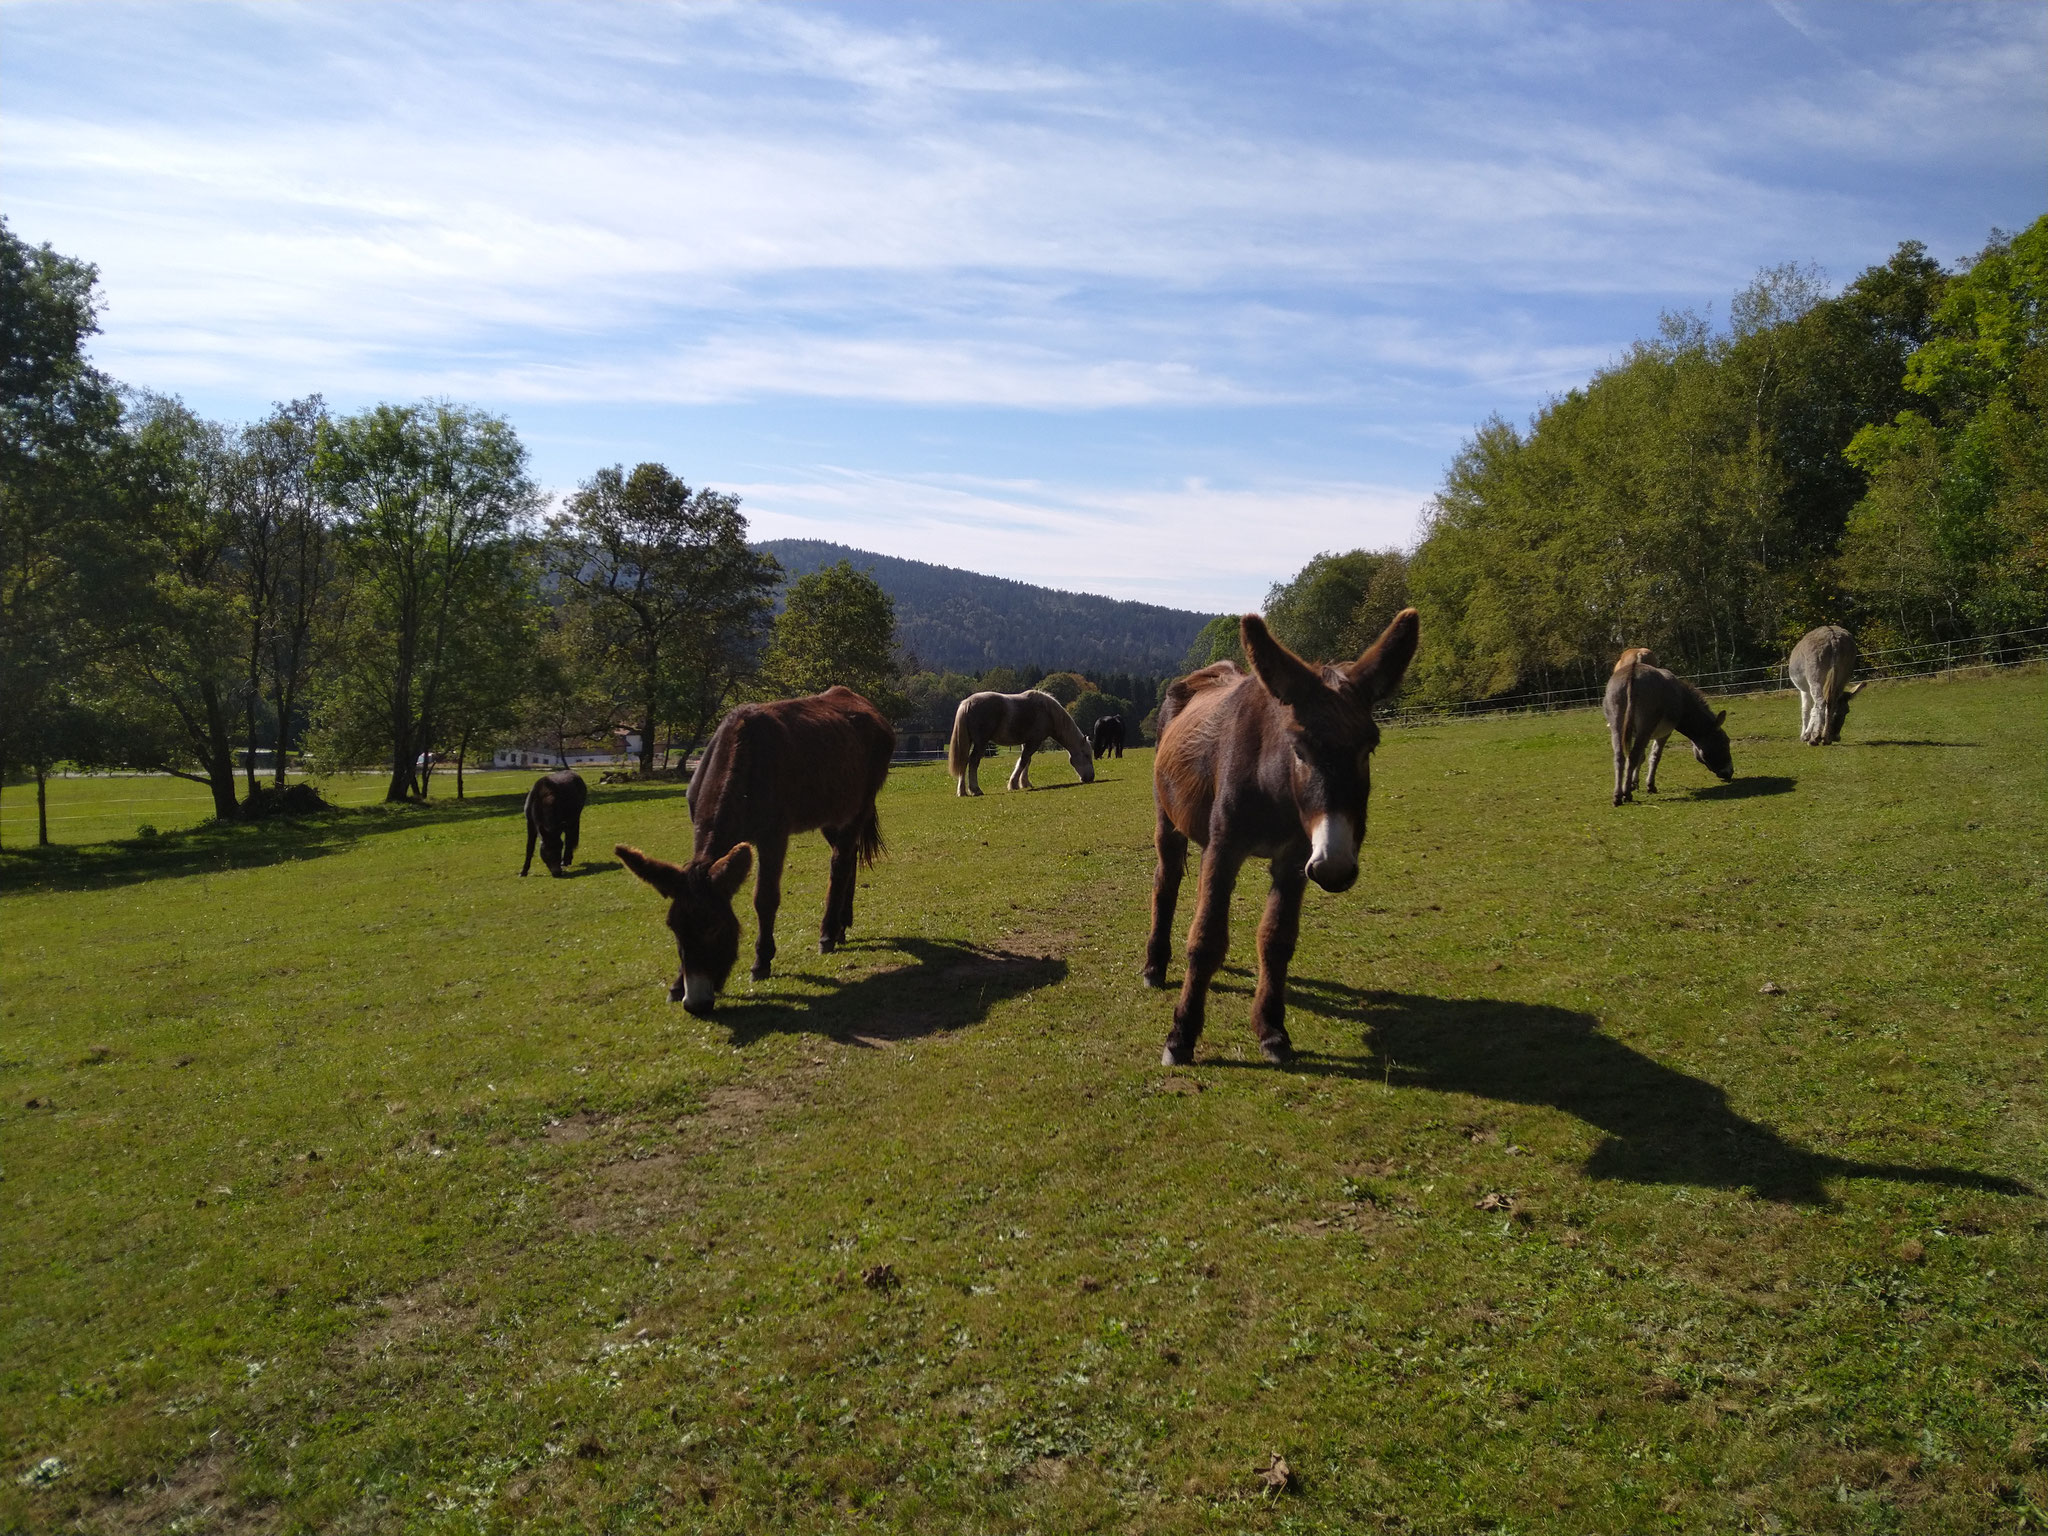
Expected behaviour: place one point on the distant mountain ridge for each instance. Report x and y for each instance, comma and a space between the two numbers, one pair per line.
962, 621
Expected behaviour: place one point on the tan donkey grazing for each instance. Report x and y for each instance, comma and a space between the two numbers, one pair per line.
1644, 705
1822, 663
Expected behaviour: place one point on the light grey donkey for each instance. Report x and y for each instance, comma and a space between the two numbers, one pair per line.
1644, 705
1822, 663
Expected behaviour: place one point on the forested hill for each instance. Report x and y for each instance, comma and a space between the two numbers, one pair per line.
962, 621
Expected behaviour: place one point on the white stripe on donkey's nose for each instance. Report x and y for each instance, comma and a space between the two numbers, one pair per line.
1332, 846
698, 992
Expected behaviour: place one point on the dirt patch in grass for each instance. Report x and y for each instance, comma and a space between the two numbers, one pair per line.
650, 1186
193, 1496
397, 1321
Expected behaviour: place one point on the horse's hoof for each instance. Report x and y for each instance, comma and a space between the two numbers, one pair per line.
759, 973
826, 946
1153, 979
1279, 1052
1176, 1056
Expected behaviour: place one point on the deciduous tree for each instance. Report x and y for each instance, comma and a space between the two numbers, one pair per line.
67, 554
428, 496
837, 627
675, 602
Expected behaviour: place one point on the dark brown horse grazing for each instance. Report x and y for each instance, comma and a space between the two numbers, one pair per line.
554, 814
770, 771
1275, 766
1108, 736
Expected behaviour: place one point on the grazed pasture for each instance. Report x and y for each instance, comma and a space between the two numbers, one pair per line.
351, 1183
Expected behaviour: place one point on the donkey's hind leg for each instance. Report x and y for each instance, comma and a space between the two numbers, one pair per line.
839, 894
1623, 769
1172, 844
1208, 942
970, 781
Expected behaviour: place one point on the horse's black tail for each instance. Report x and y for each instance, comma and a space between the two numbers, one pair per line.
870, 836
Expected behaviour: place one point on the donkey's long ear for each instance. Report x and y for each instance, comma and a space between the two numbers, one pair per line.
1379, 671
665, 877
730, 872
1286, 676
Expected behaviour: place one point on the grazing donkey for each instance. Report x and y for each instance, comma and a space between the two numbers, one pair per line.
769, 772
1822, 663
1275, 765
1108, 736
1644, 705
554, 815
1012, 720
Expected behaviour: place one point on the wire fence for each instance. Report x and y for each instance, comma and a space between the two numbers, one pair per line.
2010, 649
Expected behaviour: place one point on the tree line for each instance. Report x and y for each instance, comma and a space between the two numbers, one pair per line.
388, 586
1874, 457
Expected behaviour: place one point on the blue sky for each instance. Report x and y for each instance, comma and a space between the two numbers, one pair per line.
1150, 300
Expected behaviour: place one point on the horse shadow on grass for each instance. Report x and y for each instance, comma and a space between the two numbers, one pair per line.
1660, 1125
215, 847
945, 986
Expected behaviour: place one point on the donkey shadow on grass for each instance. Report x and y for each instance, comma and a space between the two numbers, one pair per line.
1661, 1126
946, 986
1747, 788
214, 847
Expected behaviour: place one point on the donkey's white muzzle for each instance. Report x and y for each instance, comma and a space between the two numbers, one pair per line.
1333, 852
697, 993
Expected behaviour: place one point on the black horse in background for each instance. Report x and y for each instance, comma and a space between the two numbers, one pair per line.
1108, 736
554, 815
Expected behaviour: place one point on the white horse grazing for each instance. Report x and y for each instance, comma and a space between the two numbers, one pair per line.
1822, 663
1013, 720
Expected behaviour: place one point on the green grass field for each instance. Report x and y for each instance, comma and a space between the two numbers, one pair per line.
352, 1184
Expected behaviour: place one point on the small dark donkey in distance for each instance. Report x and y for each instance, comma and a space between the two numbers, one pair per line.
770, 771
1274, 766
554, 815
1644, 705
1822, 663
1108, 736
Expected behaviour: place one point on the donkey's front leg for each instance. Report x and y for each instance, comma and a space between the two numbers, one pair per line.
1208, 942
1278, 930
767, 901
1020, 776
1172, 844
